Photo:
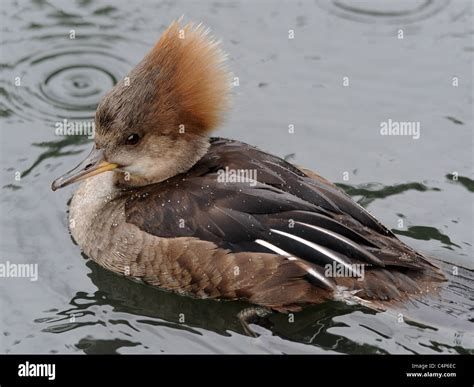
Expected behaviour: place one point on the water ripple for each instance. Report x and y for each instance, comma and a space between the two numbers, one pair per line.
67, 81
372, 11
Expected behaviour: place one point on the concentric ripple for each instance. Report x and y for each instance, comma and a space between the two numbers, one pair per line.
77, 86
375, 11
64, 82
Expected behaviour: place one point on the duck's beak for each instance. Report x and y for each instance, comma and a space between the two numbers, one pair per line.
93, 164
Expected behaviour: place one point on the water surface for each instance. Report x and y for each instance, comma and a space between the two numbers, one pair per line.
346, 71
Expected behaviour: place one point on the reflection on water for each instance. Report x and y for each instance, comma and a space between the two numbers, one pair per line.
131, 306
158, 308
370, 192
56, 149
426, 233
463, 180
59, 58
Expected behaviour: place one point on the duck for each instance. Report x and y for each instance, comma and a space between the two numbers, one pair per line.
163, 202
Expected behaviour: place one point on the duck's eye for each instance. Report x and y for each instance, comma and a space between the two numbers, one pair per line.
133, 139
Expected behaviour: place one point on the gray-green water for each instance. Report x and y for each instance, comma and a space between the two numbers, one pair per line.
421, 188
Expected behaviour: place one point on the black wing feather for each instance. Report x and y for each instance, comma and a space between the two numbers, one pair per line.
235, 215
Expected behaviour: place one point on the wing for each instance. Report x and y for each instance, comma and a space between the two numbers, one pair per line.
285, 211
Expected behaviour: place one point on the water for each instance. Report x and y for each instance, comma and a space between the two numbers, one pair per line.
426, 183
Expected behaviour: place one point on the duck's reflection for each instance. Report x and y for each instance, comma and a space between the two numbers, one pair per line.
151, 306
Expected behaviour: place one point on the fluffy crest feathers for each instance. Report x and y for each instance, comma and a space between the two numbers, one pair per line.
192, 72
181, 86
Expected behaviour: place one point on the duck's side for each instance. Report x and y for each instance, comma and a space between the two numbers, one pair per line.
268, 242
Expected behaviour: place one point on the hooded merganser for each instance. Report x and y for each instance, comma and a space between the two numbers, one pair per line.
155, 203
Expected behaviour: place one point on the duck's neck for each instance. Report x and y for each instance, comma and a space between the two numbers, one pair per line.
184, 153
88, 201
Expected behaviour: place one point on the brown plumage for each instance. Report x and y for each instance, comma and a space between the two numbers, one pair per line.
181, 85
154, 206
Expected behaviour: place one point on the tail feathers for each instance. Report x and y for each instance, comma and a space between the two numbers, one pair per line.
383, 287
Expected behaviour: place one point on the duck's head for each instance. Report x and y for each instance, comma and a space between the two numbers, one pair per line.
154, 123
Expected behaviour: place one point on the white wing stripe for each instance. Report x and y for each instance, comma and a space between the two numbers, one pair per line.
316, 247
288, 256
